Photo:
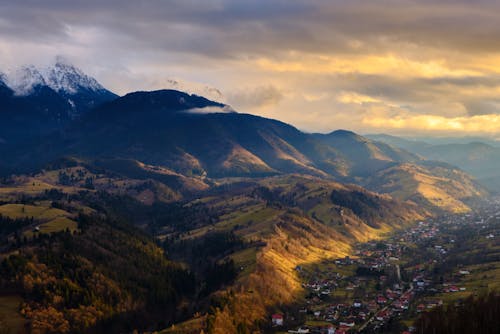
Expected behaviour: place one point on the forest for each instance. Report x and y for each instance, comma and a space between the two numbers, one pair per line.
473, 315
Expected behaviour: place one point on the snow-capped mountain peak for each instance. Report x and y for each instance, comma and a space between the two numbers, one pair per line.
24, 80
62, 77
61, 88
66, 78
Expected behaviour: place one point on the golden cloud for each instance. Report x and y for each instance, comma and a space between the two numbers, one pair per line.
388, 64
474, 124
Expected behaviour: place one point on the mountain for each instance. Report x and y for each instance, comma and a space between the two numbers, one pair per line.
187, 133
365, 156
428, 185
36, 102
477, 158
82, 91
412, 145
190, 136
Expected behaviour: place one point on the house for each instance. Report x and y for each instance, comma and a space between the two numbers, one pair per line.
420, 308
381, 300
277, 319
391, 295
349, 323
397, 304
343, 329
381, 316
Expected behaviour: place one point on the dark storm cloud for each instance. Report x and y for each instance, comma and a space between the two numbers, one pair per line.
227, 27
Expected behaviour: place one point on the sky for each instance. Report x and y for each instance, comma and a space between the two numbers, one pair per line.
399, 67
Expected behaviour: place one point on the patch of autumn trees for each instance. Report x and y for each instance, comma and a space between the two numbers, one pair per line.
85, 282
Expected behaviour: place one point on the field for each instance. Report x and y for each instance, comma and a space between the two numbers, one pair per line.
245, 260
41, 213
45, 218
56, 225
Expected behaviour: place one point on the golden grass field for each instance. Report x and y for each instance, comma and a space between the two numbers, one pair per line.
38, 212
46, 218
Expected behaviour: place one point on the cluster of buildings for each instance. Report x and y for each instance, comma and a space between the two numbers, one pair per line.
364, 293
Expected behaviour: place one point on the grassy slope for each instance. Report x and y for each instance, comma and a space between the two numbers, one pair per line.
429, 187
143, 187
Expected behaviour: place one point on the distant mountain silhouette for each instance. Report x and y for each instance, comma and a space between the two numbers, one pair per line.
480, 159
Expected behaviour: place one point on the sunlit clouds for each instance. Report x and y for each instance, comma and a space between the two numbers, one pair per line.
403, 67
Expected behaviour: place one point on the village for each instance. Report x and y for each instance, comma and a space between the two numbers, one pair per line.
389, 283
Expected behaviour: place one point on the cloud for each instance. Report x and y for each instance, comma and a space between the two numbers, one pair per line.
318, 64
479, 124
353, 97
211, 110
256, 97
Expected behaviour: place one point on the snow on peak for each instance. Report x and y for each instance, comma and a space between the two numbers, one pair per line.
61, 77
66, 78
24, 80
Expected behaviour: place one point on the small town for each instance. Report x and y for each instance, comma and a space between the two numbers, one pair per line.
390, 282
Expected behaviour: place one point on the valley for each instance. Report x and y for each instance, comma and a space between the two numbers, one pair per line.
243, 238
162, 211
395, 284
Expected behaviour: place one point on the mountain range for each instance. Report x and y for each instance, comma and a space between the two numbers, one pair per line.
61, 112
479, 157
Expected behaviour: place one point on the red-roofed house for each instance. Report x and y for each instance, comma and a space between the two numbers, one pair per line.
277, 319
381, 300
